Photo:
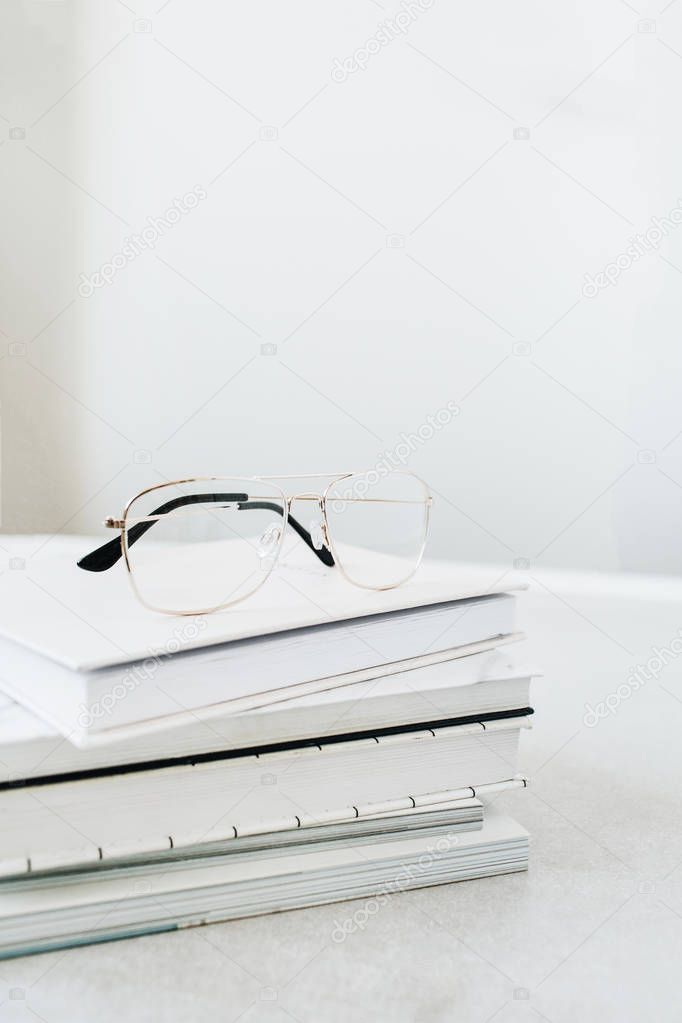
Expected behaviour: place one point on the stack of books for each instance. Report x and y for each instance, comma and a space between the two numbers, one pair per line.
317, 743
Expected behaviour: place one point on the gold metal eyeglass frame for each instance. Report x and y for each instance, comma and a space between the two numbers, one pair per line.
126, 521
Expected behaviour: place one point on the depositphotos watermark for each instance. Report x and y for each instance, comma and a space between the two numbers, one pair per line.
640, 245
388, 30
401, 453
398, 456
142, 671
136, 244
404, 879
660, 658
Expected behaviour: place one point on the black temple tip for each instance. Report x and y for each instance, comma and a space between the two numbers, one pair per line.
103, 558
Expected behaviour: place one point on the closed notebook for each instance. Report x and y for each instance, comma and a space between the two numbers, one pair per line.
484, 685
74, 909
82, 653
85, 821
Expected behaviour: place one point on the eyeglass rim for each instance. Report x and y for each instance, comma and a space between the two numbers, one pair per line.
428, 500
286, 503
198, 479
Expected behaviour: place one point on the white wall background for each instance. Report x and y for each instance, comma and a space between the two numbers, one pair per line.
388, 233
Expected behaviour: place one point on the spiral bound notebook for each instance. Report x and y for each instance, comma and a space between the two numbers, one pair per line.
86, 821
256, 876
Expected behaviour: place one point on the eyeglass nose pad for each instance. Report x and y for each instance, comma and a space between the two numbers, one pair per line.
269, 540
318, 534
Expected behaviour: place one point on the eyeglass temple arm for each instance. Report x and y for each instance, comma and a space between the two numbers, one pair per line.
108, 554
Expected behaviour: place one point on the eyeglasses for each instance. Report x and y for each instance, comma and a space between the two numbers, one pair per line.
199, 545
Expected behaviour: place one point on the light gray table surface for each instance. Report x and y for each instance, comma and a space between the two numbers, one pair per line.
592, 932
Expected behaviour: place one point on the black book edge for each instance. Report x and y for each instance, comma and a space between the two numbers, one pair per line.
275, 747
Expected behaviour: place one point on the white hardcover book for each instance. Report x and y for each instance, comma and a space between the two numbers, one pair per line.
102, 818
479, 685
37, 915
79, 651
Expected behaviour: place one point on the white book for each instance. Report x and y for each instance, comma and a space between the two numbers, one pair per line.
78, 650
103, 905
480, 685
73, 823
